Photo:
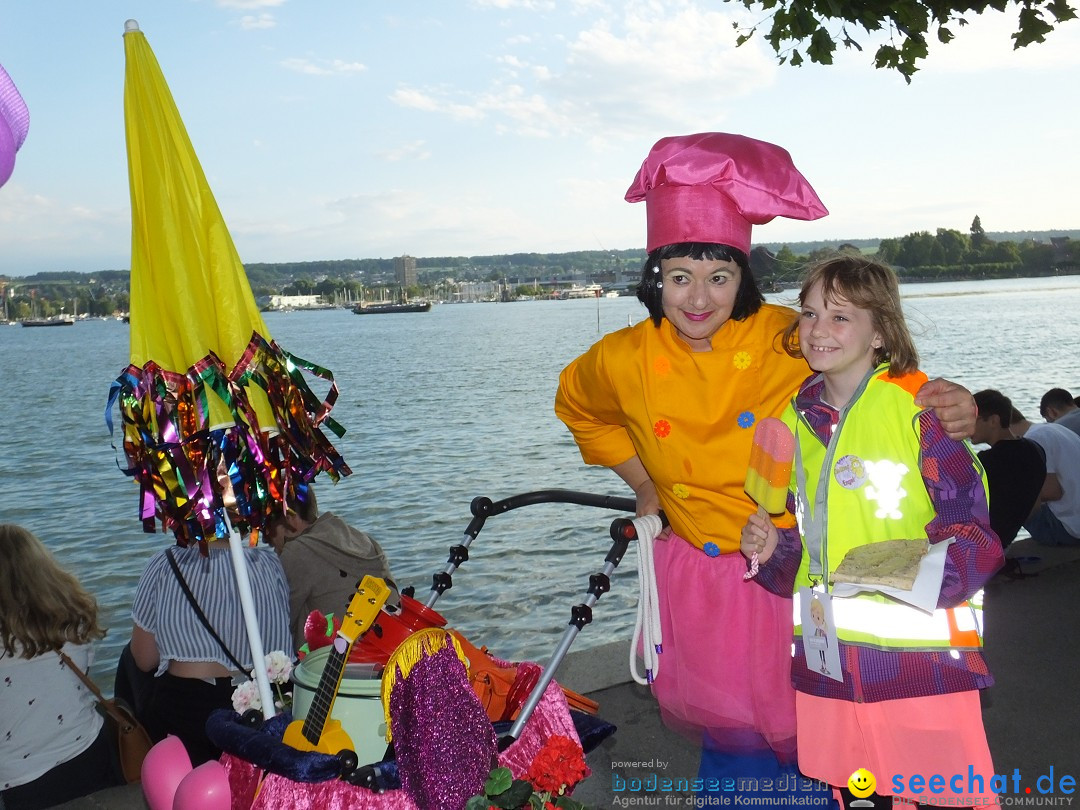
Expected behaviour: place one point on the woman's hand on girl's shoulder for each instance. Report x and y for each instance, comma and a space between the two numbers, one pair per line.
953, 405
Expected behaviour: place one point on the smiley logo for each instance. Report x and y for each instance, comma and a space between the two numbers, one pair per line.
861, 783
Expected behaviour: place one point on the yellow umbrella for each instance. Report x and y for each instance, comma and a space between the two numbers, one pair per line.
220, 426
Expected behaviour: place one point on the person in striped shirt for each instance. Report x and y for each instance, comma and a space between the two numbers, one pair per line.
195, 672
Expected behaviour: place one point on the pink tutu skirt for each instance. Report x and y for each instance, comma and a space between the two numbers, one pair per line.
725, 672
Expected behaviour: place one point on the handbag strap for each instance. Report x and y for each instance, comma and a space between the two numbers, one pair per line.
199, 612
107, 705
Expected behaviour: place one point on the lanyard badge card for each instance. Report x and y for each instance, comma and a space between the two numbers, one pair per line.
819, 633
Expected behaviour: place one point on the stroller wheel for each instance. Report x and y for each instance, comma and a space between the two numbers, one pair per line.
349, 761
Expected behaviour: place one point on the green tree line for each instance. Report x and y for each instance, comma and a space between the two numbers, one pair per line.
945, 255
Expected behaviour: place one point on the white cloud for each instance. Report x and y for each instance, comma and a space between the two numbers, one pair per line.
73, 231
251, 23
505, 5
658, 65
323, 67
412, 98
250, 5
414, 150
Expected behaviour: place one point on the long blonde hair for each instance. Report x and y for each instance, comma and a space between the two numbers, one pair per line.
42, 606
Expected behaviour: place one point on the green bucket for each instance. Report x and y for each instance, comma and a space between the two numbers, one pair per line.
358, 705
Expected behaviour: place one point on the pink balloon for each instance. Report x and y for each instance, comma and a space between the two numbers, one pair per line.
165, 766
205, 788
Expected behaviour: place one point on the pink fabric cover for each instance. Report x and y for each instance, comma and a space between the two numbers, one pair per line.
713, 186
550, 718
14, 123
279, 793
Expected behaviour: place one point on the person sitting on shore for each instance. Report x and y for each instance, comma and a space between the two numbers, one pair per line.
195, 670
1015, 467
1056, 522
1059, 407
54, 745
324, 558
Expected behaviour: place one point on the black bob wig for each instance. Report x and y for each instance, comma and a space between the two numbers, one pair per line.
748, 298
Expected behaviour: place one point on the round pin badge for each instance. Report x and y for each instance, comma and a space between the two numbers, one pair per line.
850, 472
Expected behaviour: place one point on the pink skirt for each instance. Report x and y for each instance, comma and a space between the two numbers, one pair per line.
896, 739
725, 672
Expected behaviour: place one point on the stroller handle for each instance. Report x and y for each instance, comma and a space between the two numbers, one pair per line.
482, 508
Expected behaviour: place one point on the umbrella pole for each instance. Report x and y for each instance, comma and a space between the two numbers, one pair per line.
247, 603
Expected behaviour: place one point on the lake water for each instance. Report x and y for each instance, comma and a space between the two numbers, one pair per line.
441, 408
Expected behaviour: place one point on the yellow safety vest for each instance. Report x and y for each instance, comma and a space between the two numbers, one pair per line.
873, 491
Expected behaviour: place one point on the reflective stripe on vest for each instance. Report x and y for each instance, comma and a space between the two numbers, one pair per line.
889, 625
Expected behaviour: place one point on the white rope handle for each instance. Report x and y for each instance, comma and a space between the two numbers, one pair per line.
647, 624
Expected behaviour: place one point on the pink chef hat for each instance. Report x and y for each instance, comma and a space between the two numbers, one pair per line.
713, 186
14, 122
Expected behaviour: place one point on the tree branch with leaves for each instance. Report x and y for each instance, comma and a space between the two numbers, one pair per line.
796, 30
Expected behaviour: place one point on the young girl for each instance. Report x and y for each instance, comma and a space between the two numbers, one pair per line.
872, 466
54, 746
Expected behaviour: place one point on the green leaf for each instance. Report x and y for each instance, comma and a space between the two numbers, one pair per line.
914, 48
887, 56
1061, 10
821, 47
911, 17
477, 803
803, 22
498, 780
516, 795
1033, 28
796, 58
944, 34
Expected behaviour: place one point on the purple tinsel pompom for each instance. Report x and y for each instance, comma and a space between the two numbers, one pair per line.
444, 742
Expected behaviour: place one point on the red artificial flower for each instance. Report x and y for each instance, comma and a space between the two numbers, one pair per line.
559, 765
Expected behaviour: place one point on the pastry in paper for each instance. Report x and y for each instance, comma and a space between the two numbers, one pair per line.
894, 563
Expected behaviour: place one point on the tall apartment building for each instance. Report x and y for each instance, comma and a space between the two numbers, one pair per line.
405, 271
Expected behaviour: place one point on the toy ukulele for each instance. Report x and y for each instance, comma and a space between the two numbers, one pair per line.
318, 731
769, 473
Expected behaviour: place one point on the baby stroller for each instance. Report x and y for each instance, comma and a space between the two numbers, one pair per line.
506, 712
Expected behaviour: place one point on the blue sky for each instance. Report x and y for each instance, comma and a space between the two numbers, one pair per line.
353, 129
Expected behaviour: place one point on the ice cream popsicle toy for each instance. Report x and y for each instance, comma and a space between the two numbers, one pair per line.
769, 472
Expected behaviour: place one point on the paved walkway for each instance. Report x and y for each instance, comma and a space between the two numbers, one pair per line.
1031, 713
